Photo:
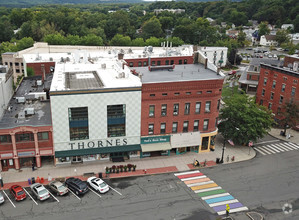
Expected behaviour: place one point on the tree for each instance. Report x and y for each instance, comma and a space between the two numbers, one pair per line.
282, 36
242, 120
263, 29
152, 28
290, 114
234, 58
176, 41
6, 32
55, 39
24, 43
92, 40
153, 41
241, 38
120, 40
138, 42
296, 24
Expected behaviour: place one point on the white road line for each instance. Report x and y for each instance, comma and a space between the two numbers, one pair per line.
293, 145
259, 151
282, 146
215, 196
199, 184
264, 150
267, 149
244, 208
278, 148
115, 190
185, 173
94, 192
286, 146
30, 196
290, 146
74, 194
194, 178
209, 189
223, 203
274, 149
266, 142
53, 196
9, 199
296, 145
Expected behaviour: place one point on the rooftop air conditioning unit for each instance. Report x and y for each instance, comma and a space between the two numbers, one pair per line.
103, 66
39, 82
29, 111
20, 99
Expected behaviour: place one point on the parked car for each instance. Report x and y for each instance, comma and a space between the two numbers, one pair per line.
58, 188
248, 48
98, 184
233, 72
1, 198
40, 191
261, 56
76, 185
274, 56
17, 192
269, 56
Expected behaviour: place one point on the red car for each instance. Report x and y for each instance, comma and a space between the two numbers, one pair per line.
18, 192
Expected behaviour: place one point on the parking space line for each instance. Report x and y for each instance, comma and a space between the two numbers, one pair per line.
74, 194
95, 192
9, 199
30, 196
115, 190
53, 196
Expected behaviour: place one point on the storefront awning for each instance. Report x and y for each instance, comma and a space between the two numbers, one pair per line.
100, 150
155, 147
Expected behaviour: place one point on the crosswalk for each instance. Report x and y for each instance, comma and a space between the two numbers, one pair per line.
216, 197
275, 148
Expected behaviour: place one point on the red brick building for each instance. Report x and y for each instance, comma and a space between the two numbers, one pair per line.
158, 61
38, 67
276, 86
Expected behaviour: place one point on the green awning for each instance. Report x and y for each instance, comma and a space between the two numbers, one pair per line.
100, 150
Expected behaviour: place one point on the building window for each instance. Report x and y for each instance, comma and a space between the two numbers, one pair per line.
158, 62
176, 93
116, 120
188, 93
164, 110
206, 124
197, 107
5, 139
78, 123
274, 84
285, 78
151, 111
261, 102
209, 92
185, 126
218, 104
17, 70
24, 137
263, 92
152, 95
175, 109
249, 77
167, 62
269, 105
171, 62
272, 95
187, 109
43, 135
153, 63
163, 128
208, 107
199, 92
185, 61
278, 111
144, 63
293, 91
283, 87
281, 99
265, 81
151, 129
195, 126
164, 94
180, 62
6, 63
216, 122
174, 127
266, 72
139, 63
131, 64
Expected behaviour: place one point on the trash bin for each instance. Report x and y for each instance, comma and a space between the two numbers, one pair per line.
217, 160
29, 181
101, 175
33, 180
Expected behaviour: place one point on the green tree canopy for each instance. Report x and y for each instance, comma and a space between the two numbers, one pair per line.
152, 28
263, 29
290, 114
282, 36
120, 40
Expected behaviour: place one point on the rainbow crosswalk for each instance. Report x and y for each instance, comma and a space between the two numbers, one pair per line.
216, 197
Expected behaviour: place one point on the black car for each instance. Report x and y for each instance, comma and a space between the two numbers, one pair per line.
76, 185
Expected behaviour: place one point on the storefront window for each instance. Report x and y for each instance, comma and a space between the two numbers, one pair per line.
43, 135
5, 139
24, 137
64, 159
205, 143
134, 154
78, 122
116, 123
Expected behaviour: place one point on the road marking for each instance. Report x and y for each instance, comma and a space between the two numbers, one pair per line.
266, 142
74, 194
223, 203
286, 146
94, 192
185, 173
282, 146
278, 148
260, 151
9, 199
295, 145
268, 146
199, 184
193, 178
52, 195
292, 145
214, 196
115, 190
30, 196
206, 190
264, 150
233, 210
267, 149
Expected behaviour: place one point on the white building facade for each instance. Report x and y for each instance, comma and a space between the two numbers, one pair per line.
6, 89
216, 55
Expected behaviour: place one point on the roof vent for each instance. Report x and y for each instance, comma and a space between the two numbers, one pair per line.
20, 99
29, 111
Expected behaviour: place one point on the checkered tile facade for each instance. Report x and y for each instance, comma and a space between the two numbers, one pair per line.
97, 116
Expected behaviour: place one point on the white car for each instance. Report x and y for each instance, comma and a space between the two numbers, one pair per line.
40, 191
274, 56
98, 184
1, 198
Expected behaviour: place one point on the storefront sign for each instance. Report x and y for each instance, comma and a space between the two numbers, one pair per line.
154, 140
186, 140
98, 143
26, 153
6, 155
45, 152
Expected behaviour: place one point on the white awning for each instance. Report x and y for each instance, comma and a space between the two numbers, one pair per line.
185, 139
155, 147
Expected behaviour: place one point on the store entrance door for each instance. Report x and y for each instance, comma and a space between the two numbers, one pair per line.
5, 165
117, 157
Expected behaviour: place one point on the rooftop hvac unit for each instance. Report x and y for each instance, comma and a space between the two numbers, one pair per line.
51, 58
20, 99
39, 82
295, 66
29, 111
103, 66
121, 75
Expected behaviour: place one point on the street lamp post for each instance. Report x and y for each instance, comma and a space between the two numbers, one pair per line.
223, 148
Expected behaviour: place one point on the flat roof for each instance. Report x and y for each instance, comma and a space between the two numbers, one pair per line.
186, 72
14, 116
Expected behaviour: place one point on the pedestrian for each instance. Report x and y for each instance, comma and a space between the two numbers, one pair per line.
33, 166
227, 158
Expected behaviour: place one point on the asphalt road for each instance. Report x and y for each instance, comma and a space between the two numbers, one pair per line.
263, 184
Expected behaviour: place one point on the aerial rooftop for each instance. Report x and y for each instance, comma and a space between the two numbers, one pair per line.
29, 106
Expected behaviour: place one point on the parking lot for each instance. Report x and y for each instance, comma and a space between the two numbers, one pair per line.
128, 198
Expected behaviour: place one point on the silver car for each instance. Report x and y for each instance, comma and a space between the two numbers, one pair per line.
58, 188
1, 198
40, 191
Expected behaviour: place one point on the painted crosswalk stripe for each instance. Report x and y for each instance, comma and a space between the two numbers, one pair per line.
297, 146
264, 150
193, 178
232, 206
286, 146
223, 203
219, 199
272, 148
290, 146
267, 149
200, 184
215, 196
282, 146
233, 210
260, 151
293, 146
204, 186
197, 181
278, 148
185, 173
189, 175
213, 192
207, 190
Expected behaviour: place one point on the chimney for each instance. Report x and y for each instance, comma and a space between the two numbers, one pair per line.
195, 48
120, 56
206, 63
218, 70
195, 57
43, 72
